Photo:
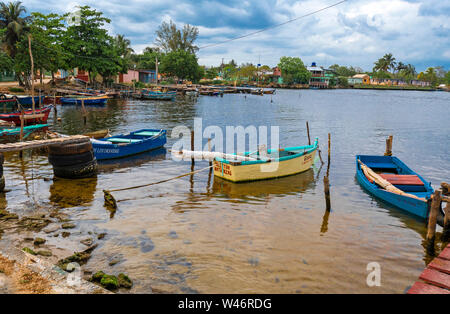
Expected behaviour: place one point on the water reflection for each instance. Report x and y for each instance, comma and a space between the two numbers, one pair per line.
263, 190
108, 166
67, 193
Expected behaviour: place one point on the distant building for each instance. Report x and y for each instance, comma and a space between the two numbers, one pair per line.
317, 79
129, 77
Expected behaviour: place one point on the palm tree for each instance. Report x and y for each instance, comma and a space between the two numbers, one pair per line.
123, 46
14, 24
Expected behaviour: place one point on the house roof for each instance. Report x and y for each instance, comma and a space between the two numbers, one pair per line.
318, 69
360, 76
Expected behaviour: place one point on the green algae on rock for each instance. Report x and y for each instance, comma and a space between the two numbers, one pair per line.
39, 241
29, 251
125, 281
110, 282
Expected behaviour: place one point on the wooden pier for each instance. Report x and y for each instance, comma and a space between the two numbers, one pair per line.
19, 146
436, 277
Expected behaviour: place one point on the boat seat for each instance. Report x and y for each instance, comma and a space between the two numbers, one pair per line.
397, 179
377, 165
147, 133
123, 140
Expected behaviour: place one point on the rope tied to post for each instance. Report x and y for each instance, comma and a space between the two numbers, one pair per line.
111, 202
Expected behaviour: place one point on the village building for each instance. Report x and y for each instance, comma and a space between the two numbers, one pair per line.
317, 79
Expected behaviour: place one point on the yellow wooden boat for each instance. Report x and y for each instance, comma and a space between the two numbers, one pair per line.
266, 165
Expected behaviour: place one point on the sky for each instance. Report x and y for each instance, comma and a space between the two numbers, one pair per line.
354, 33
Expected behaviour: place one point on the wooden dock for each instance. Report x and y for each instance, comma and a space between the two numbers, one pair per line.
436, 278
19, 146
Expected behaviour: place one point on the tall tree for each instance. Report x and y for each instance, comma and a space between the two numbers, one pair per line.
12, 20
385, 63
171, 39
123, 46
181, 64
89, 45
293, 70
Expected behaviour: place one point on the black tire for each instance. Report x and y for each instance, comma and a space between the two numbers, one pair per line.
1, 171
70, 149
2, 158
86, 170
70, 160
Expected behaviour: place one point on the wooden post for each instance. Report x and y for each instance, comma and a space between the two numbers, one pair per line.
446, 231
192, 148
84, 111
54, 103
432, 220
309, 136
329, 154
209, 149
389, 142
32, 73
22, 121
326, 183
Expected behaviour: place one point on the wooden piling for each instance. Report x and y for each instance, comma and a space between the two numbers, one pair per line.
192, 147
54, 103
446, 231
432, 220
389, 143
326, 183
307, 130
210, 149
329, 154
84, 111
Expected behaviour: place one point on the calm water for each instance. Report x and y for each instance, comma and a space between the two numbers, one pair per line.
204, 235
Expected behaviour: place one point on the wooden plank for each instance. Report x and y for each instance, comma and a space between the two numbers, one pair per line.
11, 147
441, 265
436, 278
445, 253
423, 288
33, 116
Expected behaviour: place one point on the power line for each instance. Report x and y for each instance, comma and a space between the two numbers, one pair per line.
273, 26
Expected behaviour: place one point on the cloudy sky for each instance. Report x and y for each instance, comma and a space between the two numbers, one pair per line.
356, 32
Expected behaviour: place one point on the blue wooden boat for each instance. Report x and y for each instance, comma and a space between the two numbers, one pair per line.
88, 101
158, 95
130, 144
27, 101
417, 191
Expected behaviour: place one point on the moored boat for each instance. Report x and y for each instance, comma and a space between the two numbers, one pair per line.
78, 100
392, 181
158, 95
13, 135
27, 101
266, 165
130, 144
15, 116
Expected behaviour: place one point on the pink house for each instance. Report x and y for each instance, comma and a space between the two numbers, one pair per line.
129, 77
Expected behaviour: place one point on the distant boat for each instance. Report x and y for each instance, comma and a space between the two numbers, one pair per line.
15, 116
78, 100
278, 163
158, 95
130, 144
390, 180
26, 101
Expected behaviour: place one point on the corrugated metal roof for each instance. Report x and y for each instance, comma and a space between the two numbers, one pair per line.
314, 69
360, 76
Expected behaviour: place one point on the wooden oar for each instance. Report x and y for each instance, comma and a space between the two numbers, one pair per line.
384, 183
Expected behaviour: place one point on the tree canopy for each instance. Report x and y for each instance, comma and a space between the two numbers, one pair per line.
293, 70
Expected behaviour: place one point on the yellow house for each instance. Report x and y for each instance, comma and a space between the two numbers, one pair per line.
364, 77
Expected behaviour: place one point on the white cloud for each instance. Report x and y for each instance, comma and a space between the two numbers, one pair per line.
354, 33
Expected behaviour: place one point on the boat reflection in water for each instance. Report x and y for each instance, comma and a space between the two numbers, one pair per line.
107, 166
263, 190
67, 193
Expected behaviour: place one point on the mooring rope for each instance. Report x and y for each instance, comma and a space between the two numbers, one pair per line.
111, 201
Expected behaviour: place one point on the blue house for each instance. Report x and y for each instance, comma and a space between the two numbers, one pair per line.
147, 76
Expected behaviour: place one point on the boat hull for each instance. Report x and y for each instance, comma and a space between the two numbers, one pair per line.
411, 205
105, 151
260, 171
15, 117
97, 101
